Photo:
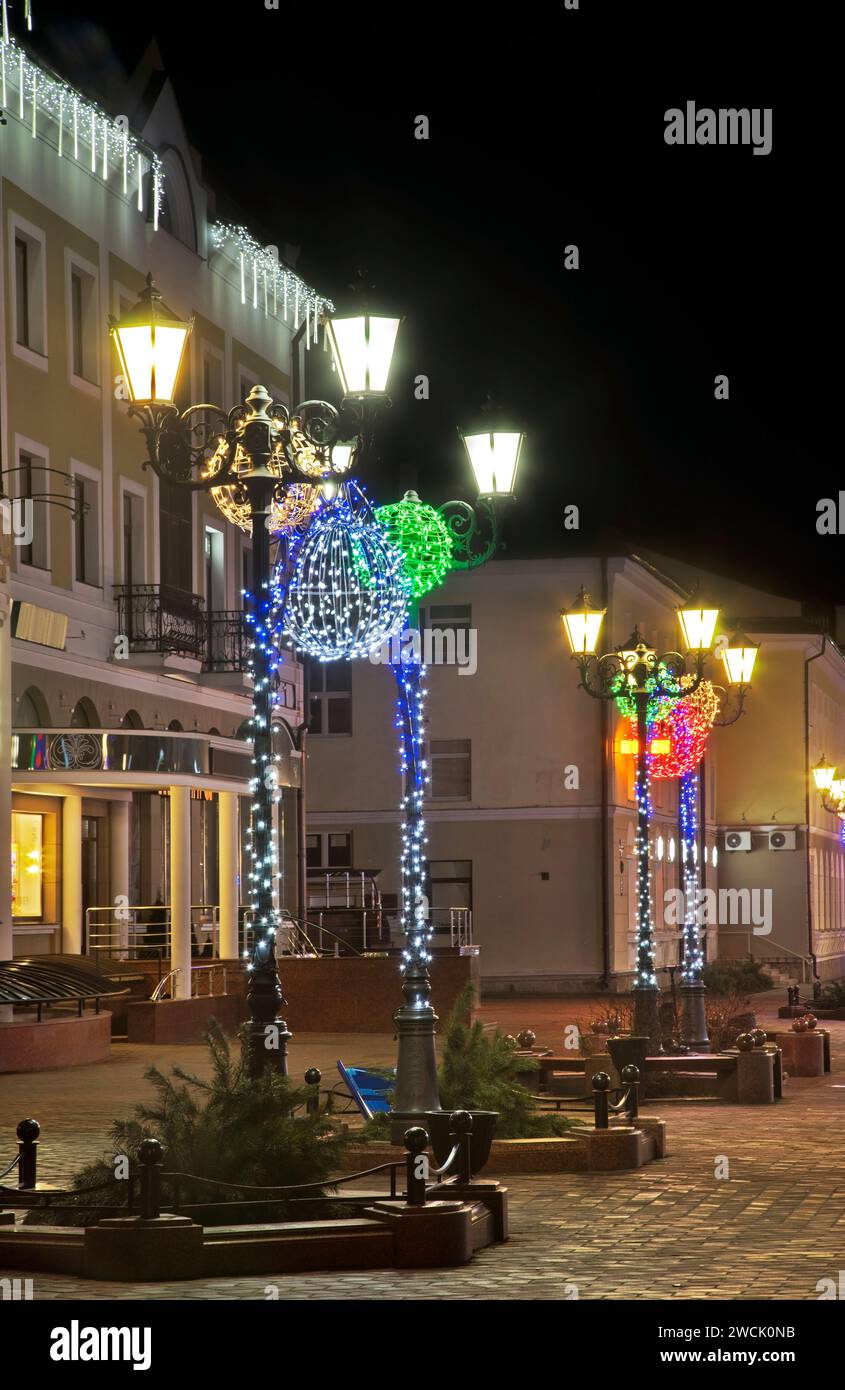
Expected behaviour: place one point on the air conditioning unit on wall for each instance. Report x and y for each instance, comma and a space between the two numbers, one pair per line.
781, 839
738, 840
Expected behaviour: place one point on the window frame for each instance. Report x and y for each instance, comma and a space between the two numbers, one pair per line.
128, 488
40, 454
324, 696
93, 477
77, 267
34, 237
430, 756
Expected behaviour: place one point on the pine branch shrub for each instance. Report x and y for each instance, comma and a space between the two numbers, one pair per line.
231, 1127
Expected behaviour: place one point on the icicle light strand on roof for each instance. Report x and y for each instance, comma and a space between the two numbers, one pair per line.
294, 302
83, 132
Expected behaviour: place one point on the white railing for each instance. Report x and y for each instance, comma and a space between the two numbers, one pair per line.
142, 931
164, 988
342, 888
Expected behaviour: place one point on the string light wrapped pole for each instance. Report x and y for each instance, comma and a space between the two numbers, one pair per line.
246, 459
739, 655
643, 683
432, 542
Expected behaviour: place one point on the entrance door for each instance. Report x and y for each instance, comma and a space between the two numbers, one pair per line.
91, 848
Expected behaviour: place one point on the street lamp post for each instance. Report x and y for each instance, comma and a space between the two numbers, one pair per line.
474, 534
247, 457
739, 656
637, 675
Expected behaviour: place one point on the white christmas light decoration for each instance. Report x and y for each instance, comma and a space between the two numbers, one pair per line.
54, 110
348, 591
255, 260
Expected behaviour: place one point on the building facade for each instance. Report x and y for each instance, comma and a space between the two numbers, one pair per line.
124, 692
531, 818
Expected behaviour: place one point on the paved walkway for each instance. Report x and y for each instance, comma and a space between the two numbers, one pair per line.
771, 1229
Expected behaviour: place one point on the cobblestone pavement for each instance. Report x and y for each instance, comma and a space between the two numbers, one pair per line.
672, 1230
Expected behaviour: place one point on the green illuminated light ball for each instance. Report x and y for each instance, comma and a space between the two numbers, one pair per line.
421, 535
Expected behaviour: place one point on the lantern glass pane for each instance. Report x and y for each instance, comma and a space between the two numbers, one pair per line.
151, 359
363, 351
582, 631
823, 775
494, 457
740, 664
698, 625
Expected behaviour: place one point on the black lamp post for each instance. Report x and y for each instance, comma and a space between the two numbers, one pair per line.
640, 675
739, 656
246, 458
494, 456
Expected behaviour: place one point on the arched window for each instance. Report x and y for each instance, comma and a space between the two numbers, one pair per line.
176, 211
175, 727
131, 720
212, 730
84, 715
245, 730
32, 710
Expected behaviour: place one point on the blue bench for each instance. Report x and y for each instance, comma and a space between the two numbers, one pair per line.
368, 1089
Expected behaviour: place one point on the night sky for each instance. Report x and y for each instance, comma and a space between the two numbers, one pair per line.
694, 261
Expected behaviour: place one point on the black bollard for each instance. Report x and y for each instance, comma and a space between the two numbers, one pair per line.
601, 1086
313, 1077
150, 1156
460, 1130
416, 1165
630, 1077
27, 1132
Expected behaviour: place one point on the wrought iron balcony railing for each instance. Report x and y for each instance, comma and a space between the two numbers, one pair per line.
227, 640
157, 618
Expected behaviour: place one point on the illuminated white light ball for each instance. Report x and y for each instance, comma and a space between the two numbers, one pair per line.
348, 592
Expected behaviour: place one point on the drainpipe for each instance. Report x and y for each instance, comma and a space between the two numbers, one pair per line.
607, 924
810, 951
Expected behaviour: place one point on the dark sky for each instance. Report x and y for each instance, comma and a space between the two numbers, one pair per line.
546, 130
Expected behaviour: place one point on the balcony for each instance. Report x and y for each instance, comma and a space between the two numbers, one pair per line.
169, 630
164, 627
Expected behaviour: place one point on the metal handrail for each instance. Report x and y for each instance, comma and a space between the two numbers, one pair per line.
806, 960
108, 934
196, 970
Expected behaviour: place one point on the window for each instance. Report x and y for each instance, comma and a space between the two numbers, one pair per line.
27, 864
212, 376
246, 381
28, 292
86, 529
32, 481
449, 882
330, 697
134, 567
177, 537
84, 322
332, 850
450, 767
456, 616
22, 290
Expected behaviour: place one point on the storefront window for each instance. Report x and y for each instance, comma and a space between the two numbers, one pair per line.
27, 865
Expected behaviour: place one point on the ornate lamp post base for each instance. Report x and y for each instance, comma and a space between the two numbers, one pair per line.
647, 1017
416, 1064
694, 1018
